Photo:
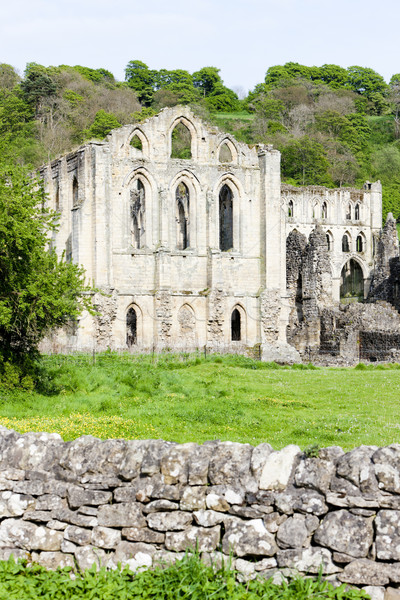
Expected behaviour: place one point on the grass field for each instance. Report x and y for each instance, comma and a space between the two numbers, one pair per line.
184, 398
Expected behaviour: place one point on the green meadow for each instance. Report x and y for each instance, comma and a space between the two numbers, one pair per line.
191, 398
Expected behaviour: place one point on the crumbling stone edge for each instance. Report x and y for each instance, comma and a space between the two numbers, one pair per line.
142, 502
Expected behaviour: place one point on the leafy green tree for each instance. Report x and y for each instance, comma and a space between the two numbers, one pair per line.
38, 291
37, 85
207, 79
141, 79
365, 81
305, 161
102, 125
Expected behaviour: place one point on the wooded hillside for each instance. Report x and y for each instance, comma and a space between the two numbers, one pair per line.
333, 126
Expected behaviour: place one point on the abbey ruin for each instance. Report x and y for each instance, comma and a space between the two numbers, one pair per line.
211, 250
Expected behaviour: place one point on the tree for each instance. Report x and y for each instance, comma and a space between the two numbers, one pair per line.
305, 161
102, 125
38, 290
142, 80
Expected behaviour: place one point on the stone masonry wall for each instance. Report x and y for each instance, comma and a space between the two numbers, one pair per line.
143, 502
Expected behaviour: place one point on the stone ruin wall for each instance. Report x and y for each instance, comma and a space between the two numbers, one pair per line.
142, 502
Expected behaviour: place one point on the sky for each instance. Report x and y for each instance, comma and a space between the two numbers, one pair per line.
240, 37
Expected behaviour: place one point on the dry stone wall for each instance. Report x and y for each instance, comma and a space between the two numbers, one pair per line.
139, 503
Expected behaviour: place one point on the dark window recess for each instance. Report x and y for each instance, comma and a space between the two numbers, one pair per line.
225, 219
131, 328
235, 326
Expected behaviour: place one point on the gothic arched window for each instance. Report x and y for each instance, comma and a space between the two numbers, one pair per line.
138, 205
131, 327
324, 210
181, 142
225, 218
182, 216
345, 243
290, 209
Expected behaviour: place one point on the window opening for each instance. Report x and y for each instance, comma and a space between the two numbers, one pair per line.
235, 326
357, 212
345, 243
182, 216
359, 243
324, 211
225, 154
290, 208
348, 214
136, 142
352, 280
75, 192
58, 197
329, 242
315, 211
131, 328
138, 206
181, 142
225, 219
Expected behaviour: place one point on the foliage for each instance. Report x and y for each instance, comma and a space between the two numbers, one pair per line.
38, 291
191, 398
188, 578
304, 160
102, 125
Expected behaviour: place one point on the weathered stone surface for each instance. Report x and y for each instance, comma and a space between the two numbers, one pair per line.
273, 521
68, 547
55, 560
160, 506
217, 502
314, 473
209, 518
143, 534
28, 536
387, 525
131, 463
105, 537
78, 497
171, 521
250, 512
352, 463
293, 533
248, 538
50, 502
74, 518
199, 463
31, 451
91, 455
375, 592
344, 532
32, 488
193, 498
391, 594
90, 511
129, 494
38, 516
121, 515
308, 560
364, 572
13, 505
87, 556
302, 500
155, 450
278, 468
258, 458
175, 464
17, 553
205, 540
246, 569
230, 463
388, 477
78, 535
58, 525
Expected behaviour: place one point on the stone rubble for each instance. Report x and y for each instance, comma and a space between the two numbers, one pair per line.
143, 503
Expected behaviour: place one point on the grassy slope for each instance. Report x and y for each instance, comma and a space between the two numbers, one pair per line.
229, 398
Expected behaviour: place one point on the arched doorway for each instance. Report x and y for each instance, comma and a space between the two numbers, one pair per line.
352, 281
235, 326
131, 327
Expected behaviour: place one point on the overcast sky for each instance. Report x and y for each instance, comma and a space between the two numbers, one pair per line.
241, 37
